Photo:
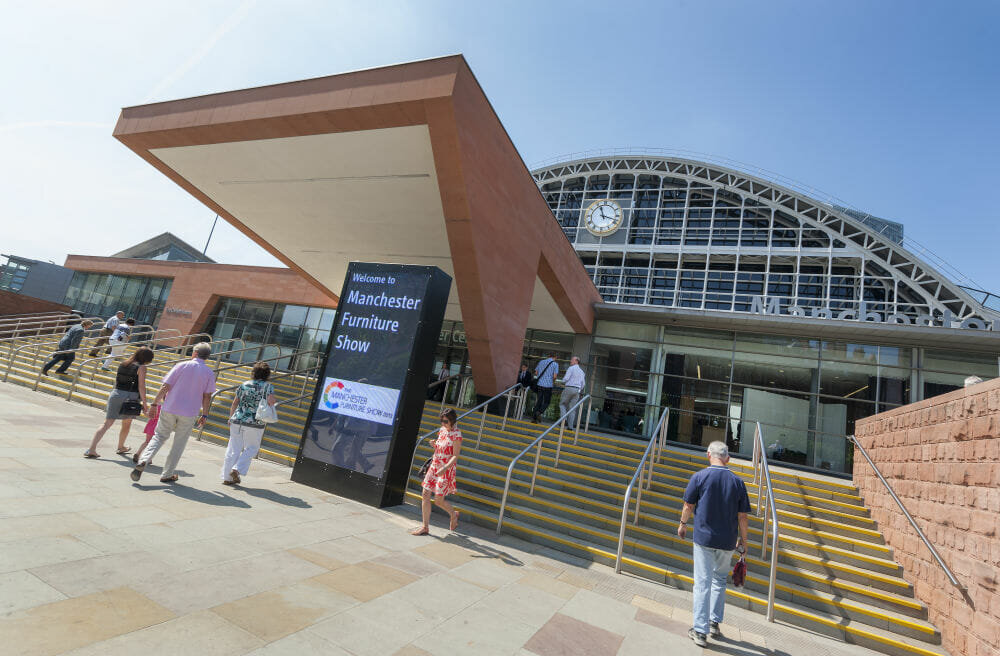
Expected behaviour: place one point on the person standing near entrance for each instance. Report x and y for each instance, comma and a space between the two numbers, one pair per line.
545, 378
119, 338
573, 383
67, 346
106, 332
188, 390
718, 500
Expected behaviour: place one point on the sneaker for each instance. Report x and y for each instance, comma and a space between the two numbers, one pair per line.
699, 638
714, 631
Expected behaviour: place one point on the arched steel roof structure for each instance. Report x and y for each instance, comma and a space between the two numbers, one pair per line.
700, 235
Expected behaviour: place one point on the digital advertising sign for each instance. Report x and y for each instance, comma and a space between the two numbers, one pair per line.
365, 413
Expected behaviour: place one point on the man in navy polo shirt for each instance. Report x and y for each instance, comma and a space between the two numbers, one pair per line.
718, 499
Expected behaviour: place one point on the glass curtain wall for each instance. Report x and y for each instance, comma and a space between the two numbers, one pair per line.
807, 394
275, 329
103, 294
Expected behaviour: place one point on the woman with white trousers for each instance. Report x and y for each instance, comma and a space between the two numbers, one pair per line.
245, 430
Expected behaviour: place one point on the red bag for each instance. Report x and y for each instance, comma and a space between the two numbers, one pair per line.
740, 571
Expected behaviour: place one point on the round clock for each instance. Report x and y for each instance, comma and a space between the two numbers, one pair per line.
603, 217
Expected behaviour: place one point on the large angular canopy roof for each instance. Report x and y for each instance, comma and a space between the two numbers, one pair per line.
404, 164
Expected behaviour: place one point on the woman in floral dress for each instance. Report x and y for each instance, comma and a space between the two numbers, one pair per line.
440, 478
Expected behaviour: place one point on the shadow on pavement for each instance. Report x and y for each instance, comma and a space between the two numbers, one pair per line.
271, 495
730, 646
481, 550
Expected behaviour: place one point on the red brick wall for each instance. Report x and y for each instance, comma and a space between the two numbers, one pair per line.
942, 457
11, 303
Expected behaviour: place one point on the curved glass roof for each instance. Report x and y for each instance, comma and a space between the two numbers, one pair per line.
685, 233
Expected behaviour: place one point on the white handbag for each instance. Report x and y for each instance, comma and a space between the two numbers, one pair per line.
266, 413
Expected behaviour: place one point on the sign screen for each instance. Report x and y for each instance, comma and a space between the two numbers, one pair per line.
354, 417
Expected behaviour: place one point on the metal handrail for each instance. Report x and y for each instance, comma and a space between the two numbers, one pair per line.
538, 440
432, 433
34, 358
909, 517
217, 393
656, 446
17, 320
762, 476
123, 356
55, 322
447, 383
79, 371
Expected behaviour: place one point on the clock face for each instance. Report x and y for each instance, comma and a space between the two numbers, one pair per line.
603, 217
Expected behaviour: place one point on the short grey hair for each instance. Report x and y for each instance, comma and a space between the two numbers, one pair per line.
718, 450
204, 349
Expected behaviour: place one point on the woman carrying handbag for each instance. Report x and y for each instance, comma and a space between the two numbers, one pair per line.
126, 401
252, 409
439, 479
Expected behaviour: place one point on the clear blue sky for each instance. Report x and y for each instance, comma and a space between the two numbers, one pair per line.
891, 106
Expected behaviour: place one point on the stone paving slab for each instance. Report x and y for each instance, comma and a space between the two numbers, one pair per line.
92, 564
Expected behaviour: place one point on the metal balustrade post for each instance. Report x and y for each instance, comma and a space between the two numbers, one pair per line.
590, 409
576, 434
444, 394
482, 425
534, 472
506, 411
562, 427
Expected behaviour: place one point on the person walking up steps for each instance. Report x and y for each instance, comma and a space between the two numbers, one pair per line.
119, 338
718, 499
67, 347
245, 431
188, 390
106, 332
545, 379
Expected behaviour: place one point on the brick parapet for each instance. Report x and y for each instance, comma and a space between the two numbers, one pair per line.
942, 458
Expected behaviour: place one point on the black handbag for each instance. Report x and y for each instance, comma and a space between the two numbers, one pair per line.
131, 408
424, 468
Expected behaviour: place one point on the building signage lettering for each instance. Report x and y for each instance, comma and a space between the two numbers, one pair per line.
178, 311
945, 319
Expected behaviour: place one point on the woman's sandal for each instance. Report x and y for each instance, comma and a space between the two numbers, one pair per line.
454, 521
122, 452
169, 479
420, 530
90, 454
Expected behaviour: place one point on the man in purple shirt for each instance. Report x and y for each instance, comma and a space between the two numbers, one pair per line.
188, 390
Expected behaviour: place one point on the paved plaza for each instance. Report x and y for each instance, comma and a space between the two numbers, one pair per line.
91, 563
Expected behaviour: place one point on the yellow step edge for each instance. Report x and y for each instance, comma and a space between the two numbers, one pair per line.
742, 474
627, 475
843, 567
845, 486
619, 496
662, 571
783, 512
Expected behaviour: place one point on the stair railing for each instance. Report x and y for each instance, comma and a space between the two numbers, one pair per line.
909, 517
482, 422
232, 388
653, 453
460, 377
79, 371
14, 323
88, 333
762, 478
58, 323
561, 422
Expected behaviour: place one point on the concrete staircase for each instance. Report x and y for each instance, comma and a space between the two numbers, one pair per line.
836, 576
